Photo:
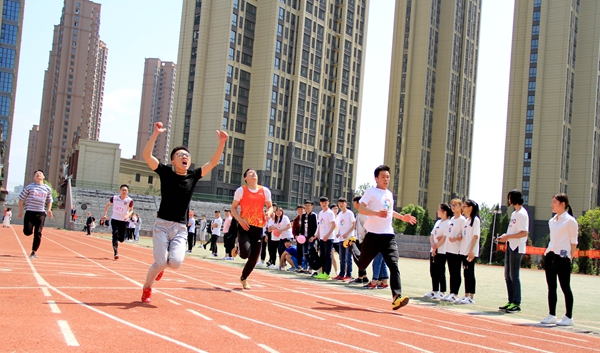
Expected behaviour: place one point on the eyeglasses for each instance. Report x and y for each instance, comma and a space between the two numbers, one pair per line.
182, 154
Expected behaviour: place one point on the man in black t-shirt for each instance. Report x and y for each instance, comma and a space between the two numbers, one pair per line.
176, 187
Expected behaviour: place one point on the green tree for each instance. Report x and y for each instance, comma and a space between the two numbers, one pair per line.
488, 229
589, 224
412, 229
361, 189
54, 195
427, 225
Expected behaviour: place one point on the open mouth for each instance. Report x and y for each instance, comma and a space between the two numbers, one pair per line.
185, 163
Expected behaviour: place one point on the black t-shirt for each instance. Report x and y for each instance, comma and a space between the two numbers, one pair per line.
176, 192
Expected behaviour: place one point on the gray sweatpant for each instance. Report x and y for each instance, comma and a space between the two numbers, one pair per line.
169, 240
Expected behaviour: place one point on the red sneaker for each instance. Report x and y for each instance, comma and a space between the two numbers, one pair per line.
338, 277
347, 278
146, 294
160, 275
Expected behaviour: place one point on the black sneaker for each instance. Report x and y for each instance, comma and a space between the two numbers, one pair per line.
513, 308
32, 256
365, 280
357, 281
504, 307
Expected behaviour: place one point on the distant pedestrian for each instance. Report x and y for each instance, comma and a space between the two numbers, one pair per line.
36, 198
7, 217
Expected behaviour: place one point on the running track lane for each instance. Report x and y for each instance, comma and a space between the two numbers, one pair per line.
201, 307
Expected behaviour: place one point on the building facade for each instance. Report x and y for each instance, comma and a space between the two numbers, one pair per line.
73, 88
431, 101
284, 79
553, 126
10, 49
158, 90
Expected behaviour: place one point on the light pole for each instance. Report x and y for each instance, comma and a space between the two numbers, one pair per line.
496, 211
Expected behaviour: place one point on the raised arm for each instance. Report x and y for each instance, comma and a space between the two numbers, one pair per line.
216, 157
147, 153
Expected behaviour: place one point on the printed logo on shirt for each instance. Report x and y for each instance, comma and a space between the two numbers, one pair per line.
465, 231
119, 208
387, 204
341, 223
39, 195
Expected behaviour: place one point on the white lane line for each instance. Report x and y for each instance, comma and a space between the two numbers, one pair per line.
237, 284
298, 311
173, 302
461, 331
358, 330
53, 307
240, 335
561, 336
198, 314
267, 348
68, 334
46, 292
414, 347
527, 347
5, 270
79, 274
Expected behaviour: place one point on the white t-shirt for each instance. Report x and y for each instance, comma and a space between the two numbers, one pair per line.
217, 230
326, 222
335, 235
439, 229
284, 234
563, 233
271, 223
453, 231
345, 220
239, 192
519, 221
376, 200
120, 207
468, 233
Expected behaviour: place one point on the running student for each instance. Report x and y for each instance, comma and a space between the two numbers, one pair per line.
516, 236
437, 257
122, 209
378, 203
457, 223
36, 198
469, 248
251, 198
559, 258
176, 187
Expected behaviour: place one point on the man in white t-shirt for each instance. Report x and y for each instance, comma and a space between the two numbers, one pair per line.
122, 209
216, 233
516, 236
346, 223
325, 235
378, 204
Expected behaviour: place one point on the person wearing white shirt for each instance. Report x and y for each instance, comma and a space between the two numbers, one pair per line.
378, 203
216, 233
335, 247
453, 257
325, 234
469, 248
516, 236
437, 257
559, 258
346, 223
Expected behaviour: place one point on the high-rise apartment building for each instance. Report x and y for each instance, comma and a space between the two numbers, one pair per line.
73, 88
431, 101
11, 29
284, 79
553, 126
158, 90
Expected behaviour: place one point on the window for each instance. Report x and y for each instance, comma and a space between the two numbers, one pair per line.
530, 100
245, 76
278, 47
529, 128
530, 113
281, 14
277, 63
535, 30
234, 20
224, 123
6, 81
226, 105
275, 80
137, 177
533, 58
527, 157
528, 142
227, 88
11, 10
536, 15
273, 97
237, 161
246, 59
236, 178
271, 130
532, 71
231, 53
526, 171
532, 86
272, 116
232, 37
268, 164
534, 43
240, 127
279, 30
150, 179
269, 147
9, 34
7, 58
4, 104
238, 144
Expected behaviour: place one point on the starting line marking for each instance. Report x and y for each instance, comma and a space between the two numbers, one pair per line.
267, 348
234, 332
79, 274
68, 334
53, 307
198, 314
358, 330
415, 348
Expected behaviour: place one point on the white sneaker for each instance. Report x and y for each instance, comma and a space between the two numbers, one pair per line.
272, 267
449, 297
565, 321
438, 295
461, 300
549, 320
469, 300
429, 295
260, 263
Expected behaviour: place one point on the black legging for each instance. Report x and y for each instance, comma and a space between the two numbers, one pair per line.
118, 233
33, 222
229, 242
263, 251
250, 248
273, 245
213, 243
560, 267
437, 270
191, 240
454, 266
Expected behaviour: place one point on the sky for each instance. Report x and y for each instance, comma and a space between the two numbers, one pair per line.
152, 31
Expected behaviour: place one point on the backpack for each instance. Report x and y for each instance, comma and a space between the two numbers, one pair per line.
209, 227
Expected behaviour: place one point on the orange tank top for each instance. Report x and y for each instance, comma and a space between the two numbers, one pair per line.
252, 207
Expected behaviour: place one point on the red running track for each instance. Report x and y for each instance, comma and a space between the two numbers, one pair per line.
75, 297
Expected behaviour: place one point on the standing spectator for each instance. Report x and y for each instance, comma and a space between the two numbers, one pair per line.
308, 229
360, 238
335, 246
122, 209
346, 224
208, 234
7, 216
36, 198
73, 214
452, 234
273, 241
516, 236
138, 226
284, 228
216, 233
88, 223
229, 236
191, 229
325, 232
201, 230
131, 229
297, 230
558, 261
469, 248
437, 256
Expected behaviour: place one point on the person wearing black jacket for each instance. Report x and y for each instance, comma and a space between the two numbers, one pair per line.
88, 223
308, 229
